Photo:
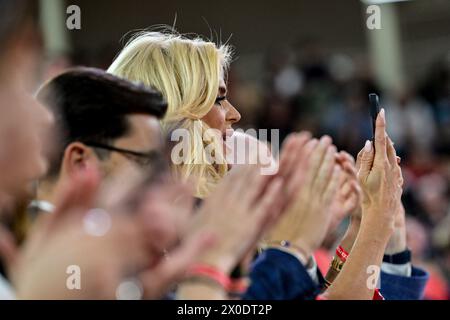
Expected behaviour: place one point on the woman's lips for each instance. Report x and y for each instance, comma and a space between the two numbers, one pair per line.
227, 133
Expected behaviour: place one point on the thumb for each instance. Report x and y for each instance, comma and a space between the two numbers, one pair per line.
367, 158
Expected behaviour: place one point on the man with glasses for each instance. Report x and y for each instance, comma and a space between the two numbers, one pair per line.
102, 121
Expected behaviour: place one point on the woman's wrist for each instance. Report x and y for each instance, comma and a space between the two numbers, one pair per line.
397, 242
198, 290
202, 272
350, 235
355, 222
374, 220
374, 235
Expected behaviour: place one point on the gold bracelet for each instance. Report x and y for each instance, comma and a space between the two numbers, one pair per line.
327, 284
337, 264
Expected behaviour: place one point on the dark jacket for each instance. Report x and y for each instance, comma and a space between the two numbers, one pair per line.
277, 275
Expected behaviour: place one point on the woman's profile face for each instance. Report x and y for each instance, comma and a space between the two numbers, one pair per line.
223, 114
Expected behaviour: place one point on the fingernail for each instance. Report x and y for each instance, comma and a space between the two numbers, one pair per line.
382, 114
312, 143
368, 146
325, 139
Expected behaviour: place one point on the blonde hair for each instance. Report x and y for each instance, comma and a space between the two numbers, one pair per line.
187, 72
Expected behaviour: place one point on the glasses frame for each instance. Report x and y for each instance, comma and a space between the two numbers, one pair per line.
149, 156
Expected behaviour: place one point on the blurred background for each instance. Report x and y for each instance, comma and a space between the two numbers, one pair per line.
310, 65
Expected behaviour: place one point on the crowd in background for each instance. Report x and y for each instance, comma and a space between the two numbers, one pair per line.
303, 87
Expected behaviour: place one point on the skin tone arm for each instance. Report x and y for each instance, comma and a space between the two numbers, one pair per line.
378, 177
397, 242
348, 201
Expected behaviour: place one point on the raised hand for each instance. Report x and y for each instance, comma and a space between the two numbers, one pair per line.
349, 197
379, 176
240, 210
108, 247
315, 176
397, 242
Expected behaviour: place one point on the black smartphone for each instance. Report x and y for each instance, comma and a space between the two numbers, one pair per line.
374, 110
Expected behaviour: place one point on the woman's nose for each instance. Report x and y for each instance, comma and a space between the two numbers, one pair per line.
233, 115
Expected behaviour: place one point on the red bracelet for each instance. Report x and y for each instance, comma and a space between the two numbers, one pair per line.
238, 286
212, 273
341, 253
377, 295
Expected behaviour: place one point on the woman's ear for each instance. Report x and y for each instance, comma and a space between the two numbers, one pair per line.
77, 156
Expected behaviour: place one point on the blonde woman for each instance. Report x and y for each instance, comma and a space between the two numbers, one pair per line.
191, 75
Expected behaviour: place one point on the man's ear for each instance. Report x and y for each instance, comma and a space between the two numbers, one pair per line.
78, 156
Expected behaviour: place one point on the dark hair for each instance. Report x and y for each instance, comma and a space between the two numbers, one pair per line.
90, 105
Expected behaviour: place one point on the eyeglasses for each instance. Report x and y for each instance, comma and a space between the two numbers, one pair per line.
141, 158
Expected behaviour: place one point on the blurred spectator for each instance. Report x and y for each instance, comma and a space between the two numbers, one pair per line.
418, 239
413, 127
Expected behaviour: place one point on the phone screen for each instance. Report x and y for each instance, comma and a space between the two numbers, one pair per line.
374, 110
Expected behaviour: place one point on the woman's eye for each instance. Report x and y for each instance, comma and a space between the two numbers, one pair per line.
219, 100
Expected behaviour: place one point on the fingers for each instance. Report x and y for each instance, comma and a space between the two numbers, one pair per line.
246, 183
351, 177
256, 184
366, 161
278, 208
297, 178
358, 160
333, 184
391, 153
380, 140
394, 161
356, 188
264, 208
292, 151
325, 170
350, 203
316, 158
345, 187
287, 154
158, 280
344, 157
350, 169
